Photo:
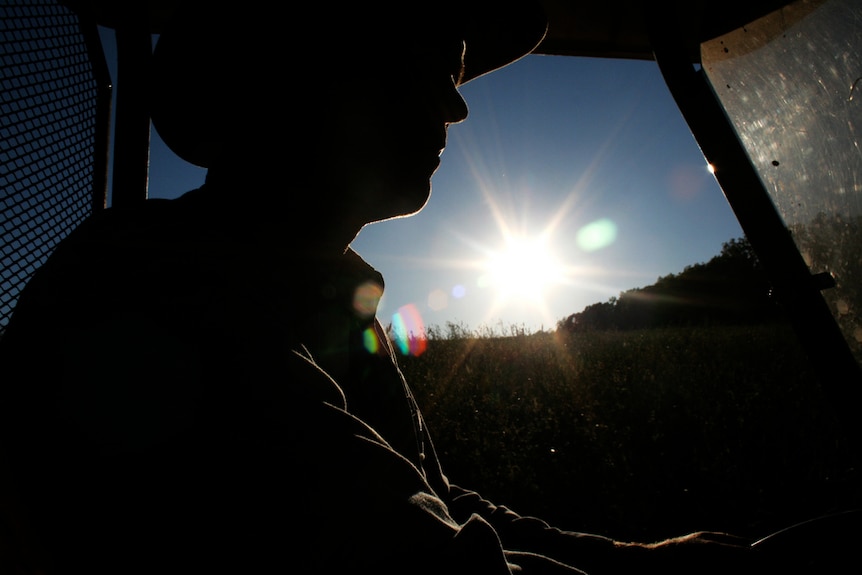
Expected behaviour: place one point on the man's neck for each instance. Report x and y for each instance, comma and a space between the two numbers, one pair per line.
288, 219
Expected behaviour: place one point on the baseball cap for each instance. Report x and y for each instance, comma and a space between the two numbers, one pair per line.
212, 57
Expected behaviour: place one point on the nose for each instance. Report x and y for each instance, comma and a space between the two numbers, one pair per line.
455, 107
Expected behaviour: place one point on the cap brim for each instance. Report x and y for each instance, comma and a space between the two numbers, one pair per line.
497, 38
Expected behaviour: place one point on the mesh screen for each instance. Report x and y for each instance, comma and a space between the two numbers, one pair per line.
48, 137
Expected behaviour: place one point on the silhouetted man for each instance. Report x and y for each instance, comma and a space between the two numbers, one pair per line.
201, 385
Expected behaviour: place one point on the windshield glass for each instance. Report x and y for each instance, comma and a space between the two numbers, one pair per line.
791, 83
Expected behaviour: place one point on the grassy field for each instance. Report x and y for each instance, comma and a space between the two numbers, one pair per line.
640, 434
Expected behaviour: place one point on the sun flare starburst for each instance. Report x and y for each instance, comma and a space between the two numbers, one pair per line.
523, 270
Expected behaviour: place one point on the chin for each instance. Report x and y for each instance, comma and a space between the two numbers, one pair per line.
418, 199
404, 213
406, 204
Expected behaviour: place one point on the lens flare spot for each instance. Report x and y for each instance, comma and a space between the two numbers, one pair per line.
370, 341
366, 298
687, 182
408, 331
597, 235
438, 300
459, 291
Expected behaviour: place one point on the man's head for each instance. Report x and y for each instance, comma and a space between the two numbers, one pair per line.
361, 93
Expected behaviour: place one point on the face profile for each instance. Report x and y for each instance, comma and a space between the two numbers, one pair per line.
386, 137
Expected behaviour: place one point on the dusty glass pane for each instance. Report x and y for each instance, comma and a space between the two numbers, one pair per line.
791, 83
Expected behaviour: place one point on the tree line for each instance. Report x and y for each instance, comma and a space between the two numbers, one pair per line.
732, 288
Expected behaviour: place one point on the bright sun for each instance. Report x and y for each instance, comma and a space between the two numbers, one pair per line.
523, 270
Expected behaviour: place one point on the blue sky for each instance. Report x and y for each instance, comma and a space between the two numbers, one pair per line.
589, 158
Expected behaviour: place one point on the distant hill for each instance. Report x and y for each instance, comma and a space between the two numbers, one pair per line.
730, 289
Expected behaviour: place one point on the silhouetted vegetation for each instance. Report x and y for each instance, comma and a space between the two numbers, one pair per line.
730, 289
639, 434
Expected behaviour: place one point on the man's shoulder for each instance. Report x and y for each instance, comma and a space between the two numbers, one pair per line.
131, 237
114, 256
113, 229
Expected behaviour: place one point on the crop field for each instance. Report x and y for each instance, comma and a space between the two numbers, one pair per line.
639, 435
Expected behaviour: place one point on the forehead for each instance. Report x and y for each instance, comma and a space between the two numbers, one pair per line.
427, 34
406, 55
434, 52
